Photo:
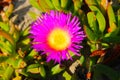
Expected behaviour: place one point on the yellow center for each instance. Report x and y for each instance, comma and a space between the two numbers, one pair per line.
59, 39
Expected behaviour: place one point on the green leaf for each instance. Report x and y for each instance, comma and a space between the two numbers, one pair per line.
82, 59
17, 78
8, 37
9, 10
100, 18
56, 4
3, 58
43, 5
77, 4
16, 63
16, 35
33, 68
104, 5
56, 69
64, 3
36, 68
113, 33
111, 17
92, 22
49, 3
19, 63
33, 15
118, 18
42, 71
92, 2
67, 76
113, 39
25, 32
5, 47
4, 26
35, 4
8, 73
90, 34
102, 69
31, 55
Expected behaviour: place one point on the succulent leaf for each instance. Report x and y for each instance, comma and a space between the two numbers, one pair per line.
100, 18
56, 4
111, 16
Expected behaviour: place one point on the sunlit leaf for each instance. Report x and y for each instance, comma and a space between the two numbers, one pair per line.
64, 3
16, 63
67, 76
57, 69
17, 78
82, 59
4, 26
42, 71
5, 47
49, 3
113, 35
33, 68
111, 17
92, 22
8, 73
35, 4
33, 15
77, 4
104, 3
9, 11
56, 4
7, 36
36, 68
31, 55
92, 2
25, 32
100, 18
43, 5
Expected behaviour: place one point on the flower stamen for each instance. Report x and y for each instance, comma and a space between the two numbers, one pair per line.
59, 39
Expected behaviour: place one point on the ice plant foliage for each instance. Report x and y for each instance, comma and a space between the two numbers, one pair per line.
57, 33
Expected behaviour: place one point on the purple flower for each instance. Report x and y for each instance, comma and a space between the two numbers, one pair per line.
57, 33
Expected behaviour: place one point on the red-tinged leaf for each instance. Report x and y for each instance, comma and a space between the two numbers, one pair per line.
98, 53
111, 16
7, 36
104, 3
35, 4
43, 5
